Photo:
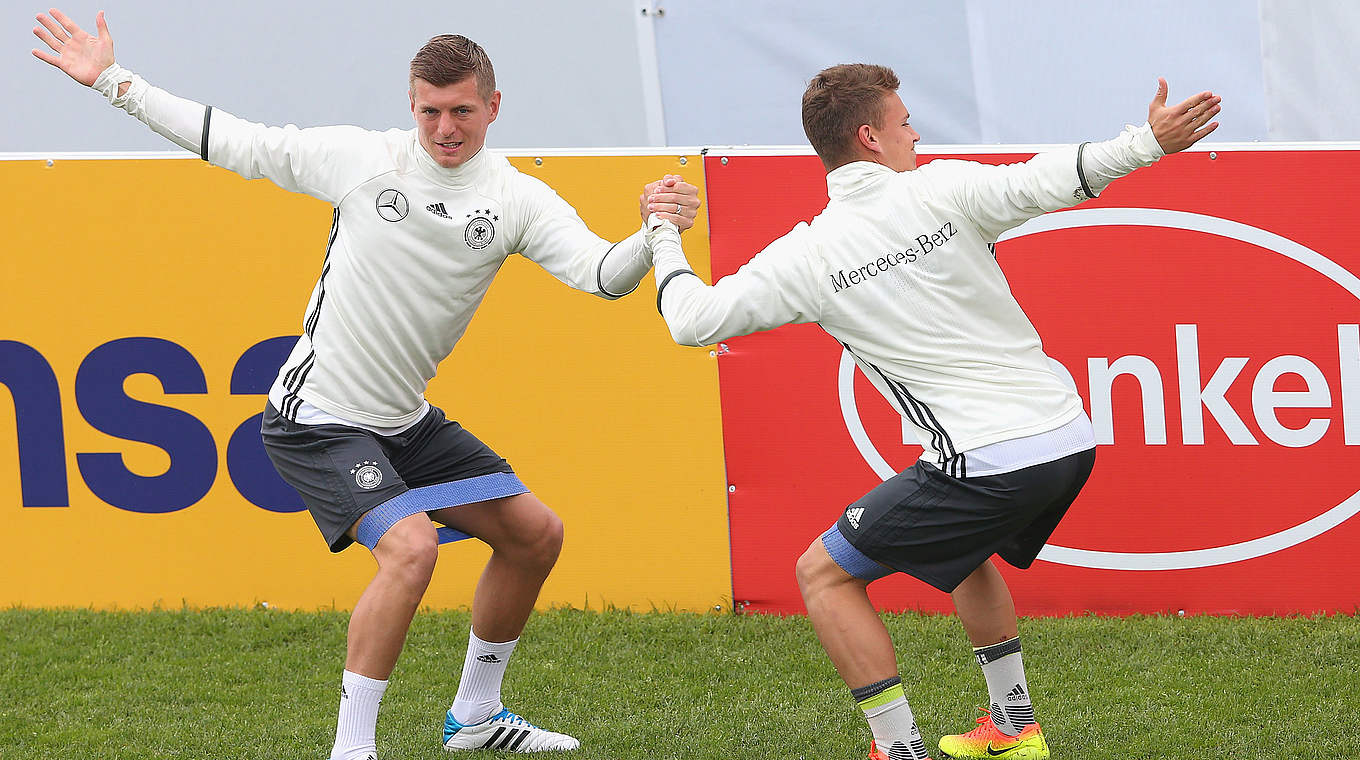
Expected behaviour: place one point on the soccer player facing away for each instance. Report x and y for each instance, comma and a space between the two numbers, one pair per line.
423, 220
900, 269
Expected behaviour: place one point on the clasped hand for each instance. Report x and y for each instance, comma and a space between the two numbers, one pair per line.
670, 198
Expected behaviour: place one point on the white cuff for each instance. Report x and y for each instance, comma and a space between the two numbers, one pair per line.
663, 238
107, 84
1146, 143
1104, 162
180, 121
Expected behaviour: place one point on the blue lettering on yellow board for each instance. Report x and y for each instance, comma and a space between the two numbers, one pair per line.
248, 465
106, 407
37, 419
104, 404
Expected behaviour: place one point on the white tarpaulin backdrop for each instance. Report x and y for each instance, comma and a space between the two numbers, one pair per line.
596, 73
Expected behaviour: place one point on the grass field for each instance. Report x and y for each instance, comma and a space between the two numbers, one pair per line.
263, 684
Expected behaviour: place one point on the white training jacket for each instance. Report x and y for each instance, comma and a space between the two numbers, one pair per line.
413, 247
900, 269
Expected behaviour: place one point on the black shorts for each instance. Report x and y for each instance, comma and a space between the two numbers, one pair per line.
939, 528
342, 472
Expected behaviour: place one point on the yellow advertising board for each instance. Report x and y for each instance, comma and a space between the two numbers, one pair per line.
606, 420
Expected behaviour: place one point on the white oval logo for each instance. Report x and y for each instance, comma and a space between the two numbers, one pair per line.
479, 232
368, 477
1172, 560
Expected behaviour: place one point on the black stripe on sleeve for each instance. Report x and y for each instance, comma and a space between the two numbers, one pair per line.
203, 144
662, 287
599, 276
1081, 171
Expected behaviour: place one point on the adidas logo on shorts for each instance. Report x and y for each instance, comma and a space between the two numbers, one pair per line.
852, 515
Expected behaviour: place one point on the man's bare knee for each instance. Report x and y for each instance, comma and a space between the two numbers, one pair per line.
542, 544
551, 536
815, 569
409, 549
529, 534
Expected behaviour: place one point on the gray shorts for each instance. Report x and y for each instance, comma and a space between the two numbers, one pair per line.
939, 528
342, 472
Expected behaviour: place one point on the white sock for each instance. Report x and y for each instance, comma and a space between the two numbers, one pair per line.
890, 720
479, 690
1004, 669
358, 722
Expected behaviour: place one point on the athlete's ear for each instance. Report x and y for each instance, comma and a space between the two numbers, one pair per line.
867, 139
495, 105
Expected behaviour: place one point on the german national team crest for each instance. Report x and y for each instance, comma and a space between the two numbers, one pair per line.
367, 475
480, 229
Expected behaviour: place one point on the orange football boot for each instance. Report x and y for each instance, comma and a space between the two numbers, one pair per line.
986, 742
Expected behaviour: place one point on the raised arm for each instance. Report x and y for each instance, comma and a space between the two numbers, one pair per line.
1184, 124
998, 198
313, 161
89, 60
75, 51
1172, 128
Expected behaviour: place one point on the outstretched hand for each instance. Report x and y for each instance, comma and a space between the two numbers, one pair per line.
75, 51
1184, 124
670, 198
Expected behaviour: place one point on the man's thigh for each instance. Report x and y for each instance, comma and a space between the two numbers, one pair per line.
501, 522
341, 472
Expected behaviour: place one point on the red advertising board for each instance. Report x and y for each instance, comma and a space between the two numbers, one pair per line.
1207, 310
